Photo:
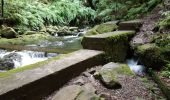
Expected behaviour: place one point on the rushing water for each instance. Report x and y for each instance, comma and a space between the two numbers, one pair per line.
135, 67
27, 57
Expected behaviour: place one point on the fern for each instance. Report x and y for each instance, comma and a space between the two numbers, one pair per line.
35, 14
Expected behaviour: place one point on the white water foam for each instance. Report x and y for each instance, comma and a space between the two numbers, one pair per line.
28, 57
135, 67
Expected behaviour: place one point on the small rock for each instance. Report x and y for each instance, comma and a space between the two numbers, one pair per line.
106, 96
96, 75
8, 32
73, 28
6, 64
86, 74
79, 82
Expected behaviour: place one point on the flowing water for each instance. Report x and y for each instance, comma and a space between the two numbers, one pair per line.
26, 57
23, 58
135, 67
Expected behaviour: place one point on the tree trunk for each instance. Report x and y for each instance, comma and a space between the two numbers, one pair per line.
2, 7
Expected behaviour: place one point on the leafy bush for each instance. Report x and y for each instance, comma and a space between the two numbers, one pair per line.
139, 9
164, 23
35, 14
166, 71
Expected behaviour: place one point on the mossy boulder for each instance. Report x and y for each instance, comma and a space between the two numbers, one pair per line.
8, 32
115, 44
109, 73
153, 56
26, 39
102, 28
157, 53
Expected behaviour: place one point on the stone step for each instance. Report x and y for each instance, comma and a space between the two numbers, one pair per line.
33, 84
115, 44
130, 25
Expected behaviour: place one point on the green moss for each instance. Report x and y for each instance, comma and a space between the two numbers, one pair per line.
153, 56
124, 69
92, 31
25, 39
165, 89
28, 67
102, 28
117, 45
141, 49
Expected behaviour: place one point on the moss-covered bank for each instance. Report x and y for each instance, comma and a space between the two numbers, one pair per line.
26, 39
155, 54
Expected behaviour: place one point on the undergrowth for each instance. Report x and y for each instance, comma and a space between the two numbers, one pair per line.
35, 14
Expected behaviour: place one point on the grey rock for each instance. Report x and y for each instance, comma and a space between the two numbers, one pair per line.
6, 64
14, 56
108, 76
79, 82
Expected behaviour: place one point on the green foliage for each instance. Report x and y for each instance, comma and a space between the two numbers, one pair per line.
106, 9
164, 23
166, 71
35, 14
139, 9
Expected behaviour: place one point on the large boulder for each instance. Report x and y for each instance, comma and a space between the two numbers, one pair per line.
155, 54
108, 77
8, 32
109, 73
6, 64
103, 28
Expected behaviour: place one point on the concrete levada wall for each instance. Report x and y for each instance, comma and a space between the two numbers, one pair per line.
39, 82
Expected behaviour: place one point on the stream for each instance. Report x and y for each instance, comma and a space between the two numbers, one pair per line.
21, 56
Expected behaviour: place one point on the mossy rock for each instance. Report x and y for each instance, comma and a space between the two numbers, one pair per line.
30, 32
8, 32
130, 25
153, 56
115, 44
110, 72
26, 39
102, 28
92, 31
